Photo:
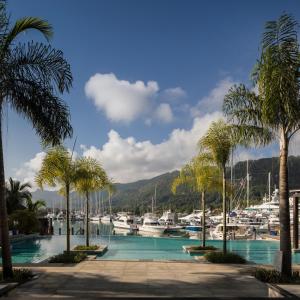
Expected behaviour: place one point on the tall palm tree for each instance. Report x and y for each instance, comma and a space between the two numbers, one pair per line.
90, 177
16, 194
216, 146
34, 206
32, 75
58, 169
201, 177
274, 114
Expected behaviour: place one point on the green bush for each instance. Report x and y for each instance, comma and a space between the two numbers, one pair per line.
273, 276
203, 248
19, 275
228, 258
25, 221
82, 247
70, 258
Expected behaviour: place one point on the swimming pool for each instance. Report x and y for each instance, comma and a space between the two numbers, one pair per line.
141, 248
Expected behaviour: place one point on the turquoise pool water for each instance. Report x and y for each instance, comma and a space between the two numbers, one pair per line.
132, 247
141, 248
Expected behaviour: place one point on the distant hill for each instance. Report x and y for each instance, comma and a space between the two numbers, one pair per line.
137, 196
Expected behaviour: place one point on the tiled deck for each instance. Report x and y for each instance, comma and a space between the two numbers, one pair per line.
95, 279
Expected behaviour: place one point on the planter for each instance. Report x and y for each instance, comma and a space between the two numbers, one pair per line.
191, 251
99, 251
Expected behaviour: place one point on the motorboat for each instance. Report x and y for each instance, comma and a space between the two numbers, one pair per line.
95, 218
234, 232
106, 219
151, 224
125, 221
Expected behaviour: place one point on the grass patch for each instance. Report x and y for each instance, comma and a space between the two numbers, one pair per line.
82, 247
228, 258
19, 275
273, 276
70, 258
202, 248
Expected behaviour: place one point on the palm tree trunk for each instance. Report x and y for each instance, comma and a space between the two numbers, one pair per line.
87, 234
68, 216
284, 211
203, 219
224, 211
5, 243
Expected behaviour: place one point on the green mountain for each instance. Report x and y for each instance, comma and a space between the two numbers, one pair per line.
137, 196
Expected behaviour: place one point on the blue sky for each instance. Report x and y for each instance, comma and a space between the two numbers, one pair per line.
183, 54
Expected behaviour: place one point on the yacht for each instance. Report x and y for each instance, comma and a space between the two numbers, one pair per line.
234, 231
151, 224
106, 219
95, 218
169, 219
126, 222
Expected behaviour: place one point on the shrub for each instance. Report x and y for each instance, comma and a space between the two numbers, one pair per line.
82, 247
273, 276
25, 221
70, 258
228, 258
19, 275
203, 248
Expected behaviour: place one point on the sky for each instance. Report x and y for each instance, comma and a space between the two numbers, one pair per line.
149, 78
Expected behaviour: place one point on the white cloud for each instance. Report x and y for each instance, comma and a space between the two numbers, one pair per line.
164, 113
27, 172
172, 94
121, 100
127, 160
213, 102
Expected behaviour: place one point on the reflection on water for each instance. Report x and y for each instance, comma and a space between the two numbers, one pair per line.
107, 229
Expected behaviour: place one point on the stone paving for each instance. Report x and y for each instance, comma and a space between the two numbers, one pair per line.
95, 279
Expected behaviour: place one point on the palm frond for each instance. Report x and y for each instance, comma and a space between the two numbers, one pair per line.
28, 23
49, 114
40, 63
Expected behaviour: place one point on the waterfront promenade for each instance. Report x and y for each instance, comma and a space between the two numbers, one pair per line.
95, 279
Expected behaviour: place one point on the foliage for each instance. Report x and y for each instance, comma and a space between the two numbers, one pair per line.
199, 176
221, 258
216, 145
83, 247
58, 169
25, 221
68, 258
90, 176
19, 275
16, 195
273, 276
34, 206
32, 75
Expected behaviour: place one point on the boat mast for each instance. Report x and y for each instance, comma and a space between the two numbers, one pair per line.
231, 182
155, 198
269, 177
248, 179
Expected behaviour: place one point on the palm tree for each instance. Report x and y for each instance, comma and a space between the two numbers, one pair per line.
16, 194
202, 177
58, 169
90, 177
34, 206
216, 146
32, 75
275, 112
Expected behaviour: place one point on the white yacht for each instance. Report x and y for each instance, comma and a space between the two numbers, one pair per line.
126, 222
106, 219
95, 218
234, 231
151, 224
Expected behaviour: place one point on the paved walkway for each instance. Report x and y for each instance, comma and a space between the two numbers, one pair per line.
95, 279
